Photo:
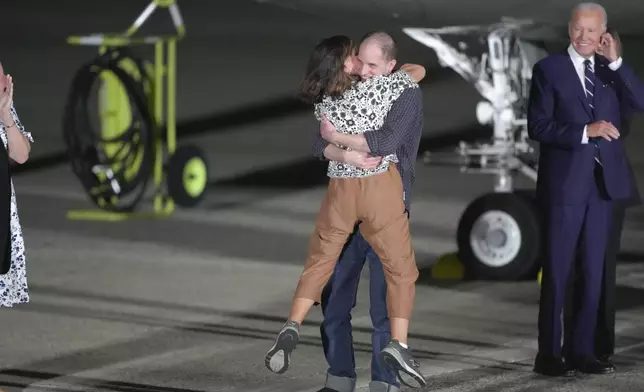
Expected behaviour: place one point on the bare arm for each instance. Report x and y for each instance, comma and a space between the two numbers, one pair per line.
17, 139
18, 144
387, 139
417, 72
323, 149
334, 153
356, 142
359, 159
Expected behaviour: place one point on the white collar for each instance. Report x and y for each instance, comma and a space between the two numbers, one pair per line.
577, 58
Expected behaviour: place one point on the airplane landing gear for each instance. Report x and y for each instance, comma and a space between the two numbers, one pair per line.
499, 234
499, 237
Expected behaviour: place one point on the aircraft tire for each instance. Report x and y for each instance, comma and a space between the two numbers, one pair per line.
499, 237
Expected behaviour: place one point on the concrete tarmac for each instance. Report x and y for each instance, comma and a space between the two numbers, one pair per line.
192, 302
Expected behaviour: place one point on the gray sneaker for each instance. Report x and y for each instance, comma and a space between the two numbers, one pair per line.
279, 356
400, 360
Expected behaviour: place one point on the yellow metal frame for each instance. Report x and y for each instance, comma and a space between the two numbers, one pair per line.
164, 70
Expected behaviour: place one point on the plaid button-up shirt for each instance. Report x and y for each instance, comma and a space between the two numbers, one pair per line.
400, 134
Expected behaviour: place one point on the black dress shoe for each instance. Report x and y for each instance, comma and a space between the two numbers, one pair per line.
552, 367
594, 366
606, 358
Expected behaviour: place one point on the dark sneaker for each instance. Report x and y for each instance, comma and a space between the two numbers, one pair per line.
400, 360
279, 356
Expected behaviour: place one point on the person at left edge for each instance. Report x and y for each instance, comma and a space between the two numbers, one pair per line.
16, 141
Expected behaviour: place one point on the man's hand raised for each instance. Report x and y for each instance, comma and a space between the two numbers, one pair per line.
361, 159
602, 129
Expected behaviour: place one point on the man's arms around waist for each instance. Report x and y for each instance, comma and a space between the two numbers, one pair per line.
400, 121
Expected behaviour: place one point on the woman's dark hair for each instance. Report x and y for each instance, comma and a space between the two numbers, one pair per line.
325, 70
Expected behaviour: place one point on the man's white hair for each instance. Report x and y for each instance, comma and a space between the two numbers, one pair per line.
589, 6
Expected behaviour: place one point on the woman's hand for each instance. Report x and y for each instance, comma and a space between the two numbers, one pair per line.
17, 143
6, 93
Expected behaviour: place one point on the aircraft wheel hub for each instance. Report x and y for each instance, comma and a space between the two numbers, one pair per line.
495, 238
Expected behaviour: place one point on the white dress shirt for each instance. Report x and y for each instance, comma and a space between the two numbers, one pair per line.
578, 62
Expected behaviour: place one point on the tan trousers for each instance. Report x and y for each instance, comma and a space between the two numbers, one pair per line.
377, 202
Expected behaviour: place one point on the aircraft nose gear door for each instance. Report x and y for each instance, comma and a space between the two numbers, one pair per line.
499, 235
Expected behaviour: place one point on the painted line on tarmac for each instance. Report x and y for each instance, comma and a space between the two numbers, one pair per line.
92, 378
516, 377
511, 352
630, 347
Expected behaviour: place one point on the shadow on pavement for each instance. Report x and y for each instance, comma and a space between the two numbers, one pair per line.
94, 383
172, 337
631, 257
628, 297
229, 329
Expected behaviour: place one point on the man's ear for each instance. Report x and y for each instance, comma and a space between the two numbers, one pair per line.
390, 65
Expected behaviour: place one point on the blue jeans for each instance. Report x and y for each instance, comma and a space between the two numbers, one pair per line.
339, 298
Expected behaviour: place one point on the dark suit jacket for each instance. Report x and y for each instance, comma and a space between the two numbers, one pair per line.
557, 114
627, 120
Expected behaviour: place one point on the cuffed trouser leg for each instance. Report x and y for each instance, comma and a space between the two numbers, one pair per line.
340, 384
377, 202
347, 384
385, 226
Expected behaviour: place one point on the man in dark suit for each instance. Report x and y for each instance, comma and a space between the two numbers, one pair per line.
575, 112
605, 329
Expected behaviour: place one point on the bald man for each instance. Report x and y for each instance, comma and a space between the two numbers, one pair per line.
400, 135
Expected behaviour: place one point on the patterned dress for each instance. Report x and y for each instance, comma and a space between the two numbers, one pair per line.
363, 108
13, 284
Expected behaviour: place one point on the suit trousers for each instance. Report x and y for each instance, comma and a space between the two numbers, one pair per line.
566, 226
605, 329
376, 202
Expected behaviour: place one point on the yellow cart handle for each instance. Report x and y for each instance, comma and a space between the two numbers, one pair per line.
126, 38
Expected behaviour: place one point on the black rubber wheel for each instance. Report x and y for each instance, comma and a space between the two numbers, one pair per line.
123, 190
187, 176
499, 237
